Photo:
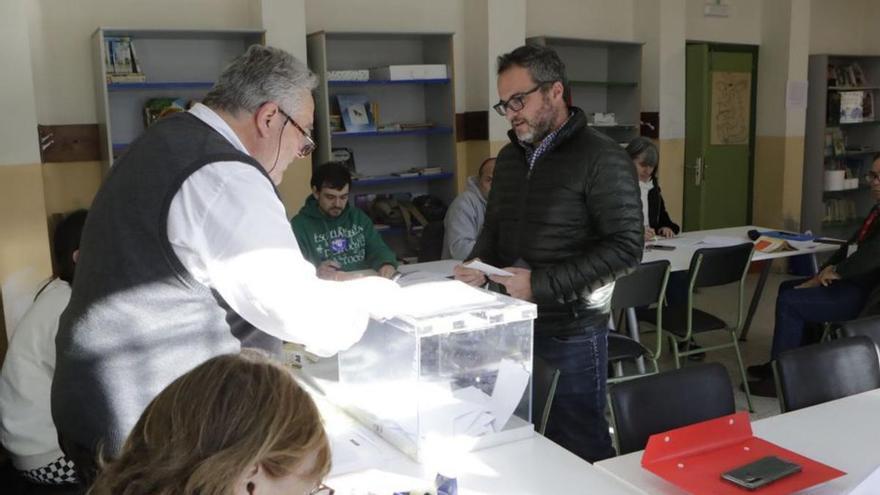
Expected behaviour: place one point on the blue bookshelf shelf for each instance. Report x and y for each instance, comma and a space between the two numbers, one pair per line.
159, 85
393, 179
415, 132
387, 83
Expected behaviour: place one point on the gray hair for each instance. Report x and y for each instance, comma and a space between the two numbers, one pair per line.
543, 64
644, 148
262, 74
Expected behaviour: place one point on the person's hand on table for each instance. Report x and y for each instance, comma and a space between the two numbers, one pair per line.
387, 271
469, 276
519, 285
650, 234
328, 269
666, 232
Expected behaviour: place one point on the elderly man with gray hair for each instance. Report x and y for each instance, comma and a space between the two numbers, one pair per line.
187, 254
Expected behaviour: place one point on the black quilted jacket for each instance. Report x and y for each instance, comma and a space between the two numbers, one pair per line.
575, 221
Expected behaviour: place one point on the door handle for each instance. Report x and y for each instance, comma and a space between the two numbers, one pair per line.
699, 172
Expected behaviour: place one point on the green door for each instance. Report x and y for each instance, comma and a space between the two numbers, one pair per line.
719, 136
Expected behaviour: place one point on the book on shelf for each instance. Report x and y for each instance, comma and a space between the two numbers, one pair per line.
851, 107
345, 157
430, 170
156, 108
126, 78
357, 113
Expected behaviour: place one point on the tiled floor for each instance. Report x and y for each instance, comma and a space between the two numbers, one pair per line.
721, 301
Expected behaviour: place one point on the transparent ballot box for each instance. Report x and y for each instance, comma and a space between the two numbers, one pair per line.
451, 373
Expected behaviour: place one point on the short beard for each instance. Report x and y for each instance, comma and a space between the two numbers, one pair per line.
542, 125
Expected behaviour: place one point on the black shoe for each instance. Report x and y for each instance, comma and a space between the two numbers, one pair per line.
761, 371
684, 347
761, 388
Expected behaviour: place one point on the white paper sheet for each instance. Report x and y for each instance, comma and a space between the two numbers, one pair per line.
509, 387
353, 450
717, 240
487, 269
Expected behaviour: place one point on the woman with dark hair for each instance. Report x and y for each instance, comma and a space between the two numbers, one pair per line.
644, 155
238, 424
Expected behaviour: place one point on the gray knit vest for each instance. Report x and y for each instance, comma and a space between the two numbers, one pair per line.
137, 319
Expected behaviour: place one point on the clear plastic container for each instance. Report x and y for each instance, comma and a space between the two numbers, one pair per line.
436, 383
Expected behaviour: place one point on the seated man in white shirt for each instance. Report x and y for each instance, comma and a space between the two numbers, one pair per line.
464, 219
26, 427
187, 254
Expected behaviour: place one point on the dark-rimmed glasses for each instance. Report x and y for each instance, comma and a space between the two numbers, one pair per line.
517, 102
322, 489
309, 145
871, 176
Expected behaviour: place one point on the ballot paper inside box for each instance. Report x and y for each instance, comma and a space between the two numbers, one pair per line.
436, 384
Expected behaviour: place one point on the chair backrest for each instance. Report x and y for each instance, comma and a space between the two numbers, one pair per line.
643, 287
668, 400
869, 327
431, 242
819, 373
720, 265
544, 381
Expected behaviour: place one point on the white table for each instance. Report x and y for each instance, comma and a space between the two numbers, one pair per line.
844, 434
680, 258
531, 466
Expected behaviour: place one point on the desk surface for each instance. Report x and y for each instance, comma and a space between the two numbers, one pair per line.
680, 258
844, 434
531, 466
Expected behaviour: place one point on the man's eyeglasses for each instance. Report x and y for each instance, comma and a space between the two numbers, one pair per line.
309, 145
322, 489
517, 102
872, 176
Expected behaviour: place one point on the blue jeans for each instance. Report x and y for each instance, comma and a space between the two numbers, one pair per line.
795, 308
577, 418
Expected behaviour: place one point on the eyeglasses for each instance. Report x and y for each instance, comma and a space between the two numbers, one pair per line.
322, 489
309, 145
871, 177
517, 102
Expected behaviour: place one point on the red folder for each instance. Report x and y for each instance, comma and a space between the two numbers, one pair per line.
694, 457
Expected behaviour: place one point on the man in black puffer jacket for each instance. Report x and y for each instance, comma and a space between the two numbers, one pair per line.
564, 216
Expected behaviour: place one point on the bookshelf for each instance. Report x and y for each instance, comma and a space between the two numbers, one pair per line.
379, 154
176, 63
604, 76
838, 212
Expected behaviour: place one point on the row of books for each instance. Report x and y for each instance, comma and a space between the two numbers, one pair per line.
849, 75
840, 210
358, 114
120, 60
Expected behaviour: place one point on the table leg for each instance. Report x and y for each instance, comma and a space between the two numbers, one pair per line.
633, 324
756, 298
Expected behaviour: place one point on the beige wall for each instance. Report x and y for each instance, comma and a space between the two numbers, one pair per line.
844, 27
24, 250
593, 19
743, 25
18, 126
61, 51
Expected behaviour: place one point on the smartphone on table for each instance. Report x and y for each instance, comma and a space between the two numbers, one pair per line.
762, 472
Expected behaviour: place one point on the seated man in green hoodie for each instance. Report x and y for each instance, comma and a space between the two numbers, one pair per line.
335, 236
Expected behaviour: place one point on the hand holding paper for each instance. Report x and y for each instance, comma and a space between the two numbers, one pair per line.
486, 268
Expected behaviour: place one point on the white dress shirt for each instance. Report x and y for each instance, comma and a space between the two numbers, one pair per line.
231, 232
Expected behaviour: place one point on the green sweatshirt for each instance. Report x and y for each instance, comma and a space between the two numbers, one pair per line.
349, 239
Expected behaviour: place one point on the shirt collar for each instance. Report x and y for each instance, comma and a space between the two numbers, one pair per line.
210, 117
